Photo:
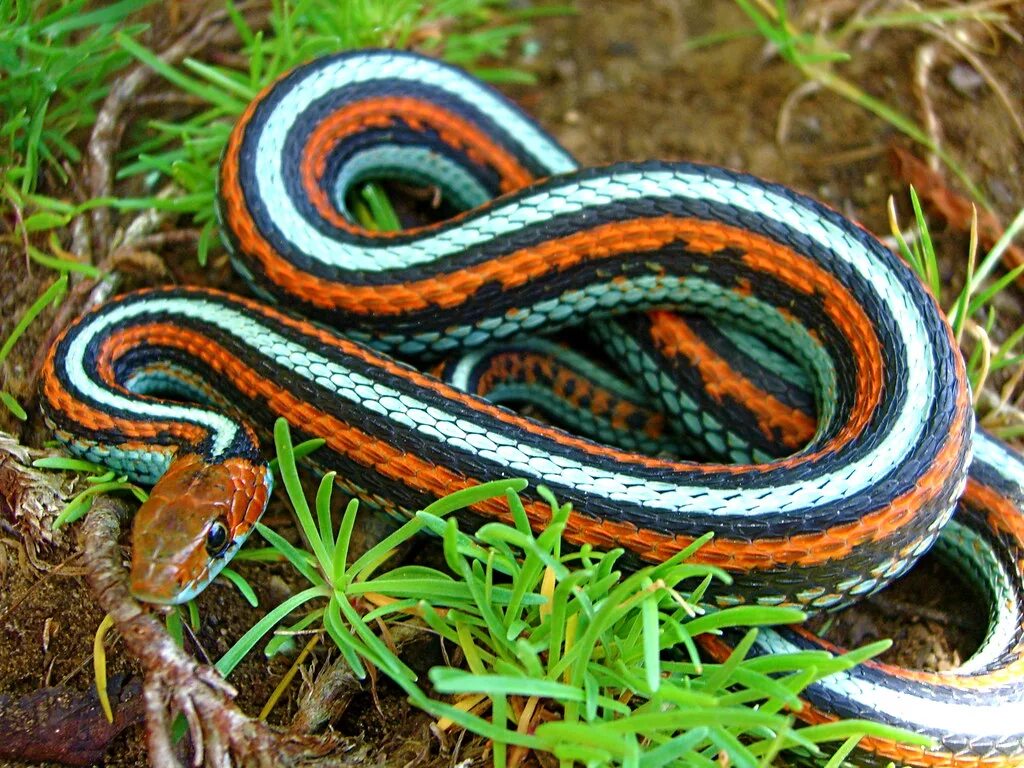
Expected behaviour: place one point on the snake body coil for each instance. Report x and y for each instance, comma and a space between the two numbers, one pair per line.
534, 245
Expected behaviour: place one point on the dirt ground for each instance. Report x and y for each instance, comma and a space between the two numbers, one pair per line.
617, 81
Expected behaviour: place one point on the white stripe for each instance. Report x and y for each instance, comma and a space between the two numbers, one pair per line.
525, 460
379, 66
222, 428
971, 719
1000, 457
577, 195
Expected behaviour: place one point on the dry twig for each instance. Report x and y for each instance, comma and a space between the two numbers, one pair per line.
174, 682
106, 134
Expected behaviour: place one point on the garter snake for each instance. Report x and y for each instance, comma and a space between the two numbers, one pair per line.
533, 245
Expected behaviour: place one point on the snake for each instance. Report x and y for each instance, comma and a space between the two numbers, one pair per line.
831, 442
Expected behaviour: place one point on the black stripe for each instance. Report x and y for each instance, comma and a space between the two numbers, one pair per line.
793, 521
786, 392
734, 416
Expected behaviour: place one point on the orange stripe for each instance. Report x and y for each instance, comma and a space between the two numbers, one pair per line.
557, 255
92, 419
777, 421
804, 275
382, 113
890, 750
738, 555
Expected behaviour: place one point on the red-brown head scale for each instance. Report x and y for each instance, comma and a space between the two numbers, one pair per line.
196, 518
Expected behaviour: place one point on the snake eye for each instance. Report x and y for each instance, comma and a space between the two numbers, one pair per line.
217, 538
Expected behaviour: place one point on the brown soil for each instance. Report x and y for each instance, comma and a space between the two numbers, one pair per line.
617, 82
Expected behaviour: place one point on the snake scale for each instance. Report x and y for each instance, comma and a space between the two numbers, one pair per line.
831, 468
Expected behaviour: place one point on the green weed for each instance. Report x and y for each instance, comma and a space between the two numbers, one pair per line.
565, 653
816, 53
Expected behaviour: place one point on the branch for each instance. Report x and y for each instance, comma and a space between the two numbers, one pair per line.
175, 683
109, 126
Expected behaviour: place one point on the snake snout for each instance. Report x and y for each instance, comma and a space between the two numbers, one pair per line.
195, 519
158, 580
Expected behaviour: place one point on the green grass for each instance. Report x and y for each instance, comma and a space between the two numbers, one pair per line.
51, 296
98, 480
974, 307
817, 53
187, 153
59, 59
609, 658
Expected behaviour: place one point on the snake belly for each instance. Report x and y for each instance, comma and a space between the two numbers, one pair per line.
533, 245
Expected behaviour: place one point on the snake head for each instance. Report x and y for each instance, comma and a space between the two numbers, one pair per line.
196, 518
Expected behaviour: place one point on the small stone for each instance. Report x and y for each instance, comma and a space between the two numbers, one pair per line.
621, 48
532, 48
807, 129
965, 79
565, 68
594, 83
278, 590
